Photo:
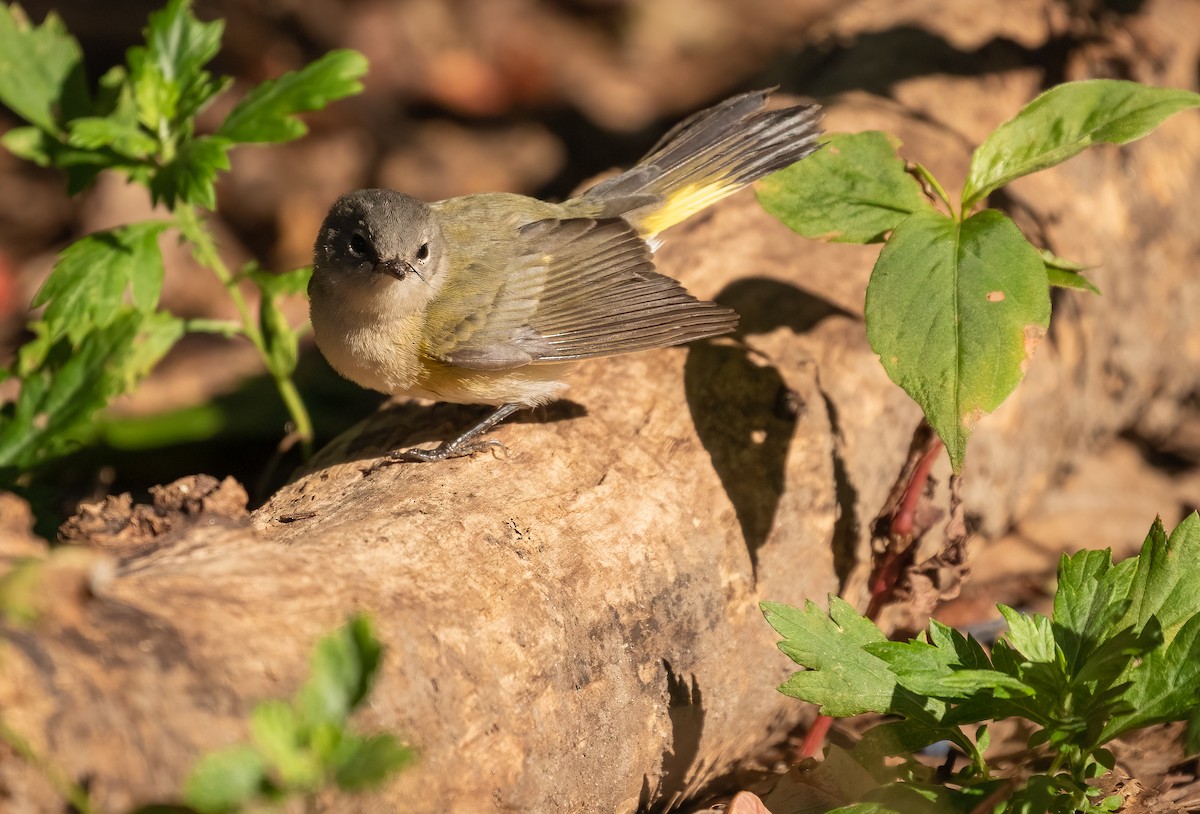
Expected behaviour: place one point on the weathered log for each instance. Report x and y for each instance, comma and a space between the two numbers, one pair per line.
575, 626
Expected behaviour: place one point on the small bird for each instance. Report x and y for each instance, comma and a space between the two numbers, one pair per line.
490, 298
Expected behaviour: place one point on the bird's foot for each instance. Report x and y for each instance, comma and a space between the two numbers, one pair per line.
447, 449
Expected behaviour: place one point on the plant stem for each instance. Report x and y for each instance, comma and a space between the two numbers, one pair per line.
204, 248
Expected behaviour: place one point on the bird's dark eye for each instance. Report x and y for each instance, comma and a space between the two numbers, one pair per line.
359, 247
423, 251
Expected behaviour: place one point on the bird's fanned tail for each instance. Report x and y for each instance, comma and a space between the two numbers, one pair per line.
706, 157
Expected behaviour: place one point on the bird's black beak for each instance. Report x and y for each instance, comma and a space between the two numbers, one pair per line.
395, 267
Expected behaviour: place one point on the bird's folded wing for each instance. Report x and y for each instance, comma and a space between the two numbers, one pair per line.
579, 288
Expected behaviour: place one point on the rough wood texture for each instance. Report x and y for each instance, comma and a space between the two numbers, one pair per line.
575, 627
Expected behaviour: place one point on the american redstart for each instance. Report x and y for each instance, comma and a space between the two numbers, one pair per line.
489, 298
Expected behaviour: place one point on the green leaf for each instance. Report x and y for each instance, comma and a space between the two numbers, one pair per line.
928, 670
343, 667
854, 190
29, 143
1064, 121
179, 46
955, 311
1166, 599
268, 113
370, 761
841, 676
1069, 279
282, 343
63, 385
126, 138
280, 738
41, 70
1090, 600
89, 282
1163, 584
191, 175
61, 393
225, 781
1030, 635
1066, 273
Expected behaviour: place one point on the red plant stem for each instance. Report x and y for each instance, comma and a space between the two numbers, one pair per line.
902, 521
885, 577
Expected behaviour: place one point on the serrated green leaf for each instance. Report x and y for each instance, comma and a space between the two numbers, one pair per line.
156, 97
62, 392
41, 70
63, 385
190, 177
955, 311
841, 676
1091, 599
126, 138
928, 670
1030, 635
1165, 686
370, 761
343, 667
853, 190
282, 742
28, 143
180, 46
268, 113
1064, 121
1163, 584
225, 781
1164, 599
88, 283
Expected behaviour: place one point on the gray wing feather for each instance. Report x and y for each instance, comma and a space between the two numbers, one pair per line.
580, 288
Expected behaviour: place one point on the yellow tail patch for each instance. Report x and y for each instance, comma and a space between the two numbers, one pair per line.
682, 204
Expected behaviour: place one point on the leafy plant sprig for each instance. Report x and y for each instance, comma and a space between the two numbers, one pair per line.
302, 746
101, 330
958, 300
1121, 651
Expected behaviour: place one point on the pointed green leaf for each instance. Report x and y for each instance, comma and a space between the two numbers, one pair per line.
126, 138
282, 742
92, 275
1064, 121
191, 176
842, 677
1070, 279
179, 45
1164, 585
343, 667
955, 311
1066, 273
268, 113
41, 70
853, 190
371, 761
225, 781
1165, 684
29, 143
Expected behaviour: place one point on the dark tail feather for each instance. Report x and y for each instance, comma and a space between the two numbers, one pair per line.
707, 156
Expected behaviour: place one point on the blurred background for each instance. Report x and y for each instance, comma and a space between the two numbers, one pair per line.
530, 96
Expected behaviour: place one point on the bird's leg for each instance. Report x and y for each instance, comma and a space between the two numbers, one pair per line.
466, 444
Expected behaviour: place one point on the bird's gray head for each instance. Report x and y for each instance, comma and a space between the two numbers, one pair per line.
375, 238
